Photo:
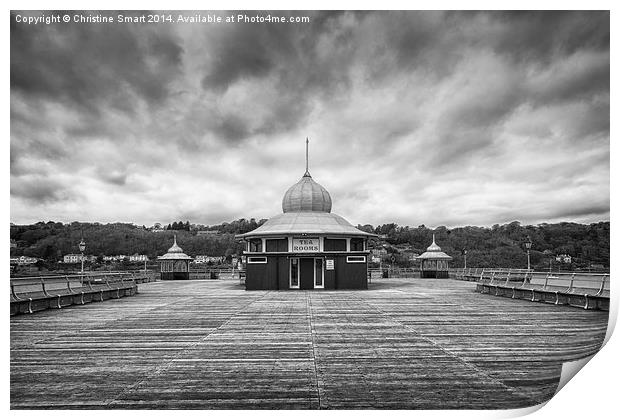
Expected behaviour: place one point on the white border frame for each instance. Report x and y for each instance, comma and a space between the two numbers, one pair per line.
293, 238
363, 257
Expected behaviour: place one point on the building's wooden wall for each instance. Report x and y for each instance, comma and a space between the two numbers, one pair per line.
274, 274
350, 275
283, 272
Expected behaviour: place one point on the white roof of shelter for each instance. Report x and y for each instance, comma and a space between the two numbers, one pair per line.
307, 222
175, 253
434, 252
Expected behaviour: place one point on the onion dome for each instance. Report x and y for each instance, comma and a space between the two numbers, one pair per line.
306, 195
434, 252
434, 247
175, 253
175, 248
306, 210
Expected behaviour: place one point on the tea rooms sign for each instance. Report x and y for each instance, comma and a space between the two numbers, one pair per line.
306, 245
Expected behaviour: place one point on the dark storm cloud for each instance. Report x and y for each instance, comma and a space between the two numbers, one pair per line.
38, 190
113, 177
244, 53
254, 51
289, 54
596, 211
578, 78
541, 35
419, 107
29, 141
92, 66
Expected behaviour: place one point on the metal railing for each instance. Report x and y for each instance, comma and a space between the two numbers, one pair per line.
377, 273
217, 273
596, 284
45, 284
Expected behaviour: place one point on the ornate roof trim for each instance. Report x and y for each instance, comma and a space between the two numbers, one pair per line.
175, 253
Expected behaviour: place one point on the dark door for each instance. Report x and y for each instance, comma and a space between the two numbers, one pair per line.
306, 273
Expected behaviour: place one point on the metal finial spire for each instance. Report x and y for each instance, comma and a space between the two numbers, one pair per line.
175, 239
307, 173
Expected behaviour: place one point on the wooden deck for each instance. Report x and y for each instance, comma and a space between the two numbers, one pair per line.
405, 343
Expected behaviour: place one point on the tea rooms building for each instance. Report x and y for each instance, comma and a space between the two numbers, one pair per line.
307, 246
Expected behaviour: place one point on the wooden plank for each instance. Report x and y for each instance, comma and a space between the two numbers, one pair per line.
404, 343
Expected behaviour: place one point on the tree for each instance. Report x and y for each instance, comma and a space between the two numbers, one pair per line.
487, 247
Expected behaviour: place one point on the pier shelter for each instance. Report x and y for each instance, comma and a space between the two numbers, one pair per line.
174, 265
307, 246
434, 262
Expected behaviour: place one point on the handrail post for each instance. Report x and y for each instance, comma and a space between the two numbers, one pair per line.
546, 281
507, 278
43, 287
570, 287
13, 291
69, 284
600, 291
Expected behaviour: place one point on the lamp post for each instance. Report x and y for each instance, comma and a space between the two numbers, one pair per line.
465, 256
528, 246
82, 246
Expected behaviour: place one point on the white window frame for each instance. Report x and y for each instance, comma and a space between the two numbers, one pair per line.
363, 245
322, 286
350, 261
290, 272
273, 252
346, 241
262, 244
252, 260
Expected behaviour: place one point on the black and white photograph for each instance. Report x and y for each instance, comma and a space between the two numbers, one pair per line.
308, 209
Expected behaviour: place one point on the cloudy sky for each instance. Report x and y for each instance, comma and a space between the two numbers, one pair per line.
453, 118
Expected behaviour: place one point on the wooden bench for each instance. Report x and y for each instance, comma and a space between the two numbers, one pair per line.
143, 277
468, 274
500, 282
580, 290
32, 295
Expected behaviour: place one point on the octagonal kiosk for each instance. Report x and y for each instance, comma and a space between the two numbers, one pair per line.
434, 262
307, 246
174, 265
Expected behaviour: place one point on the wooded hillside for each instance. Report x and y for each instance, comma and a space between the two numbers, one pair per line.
498, 246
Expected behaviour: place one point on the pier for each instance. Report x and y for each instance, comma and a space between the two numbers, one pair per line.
403, 343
